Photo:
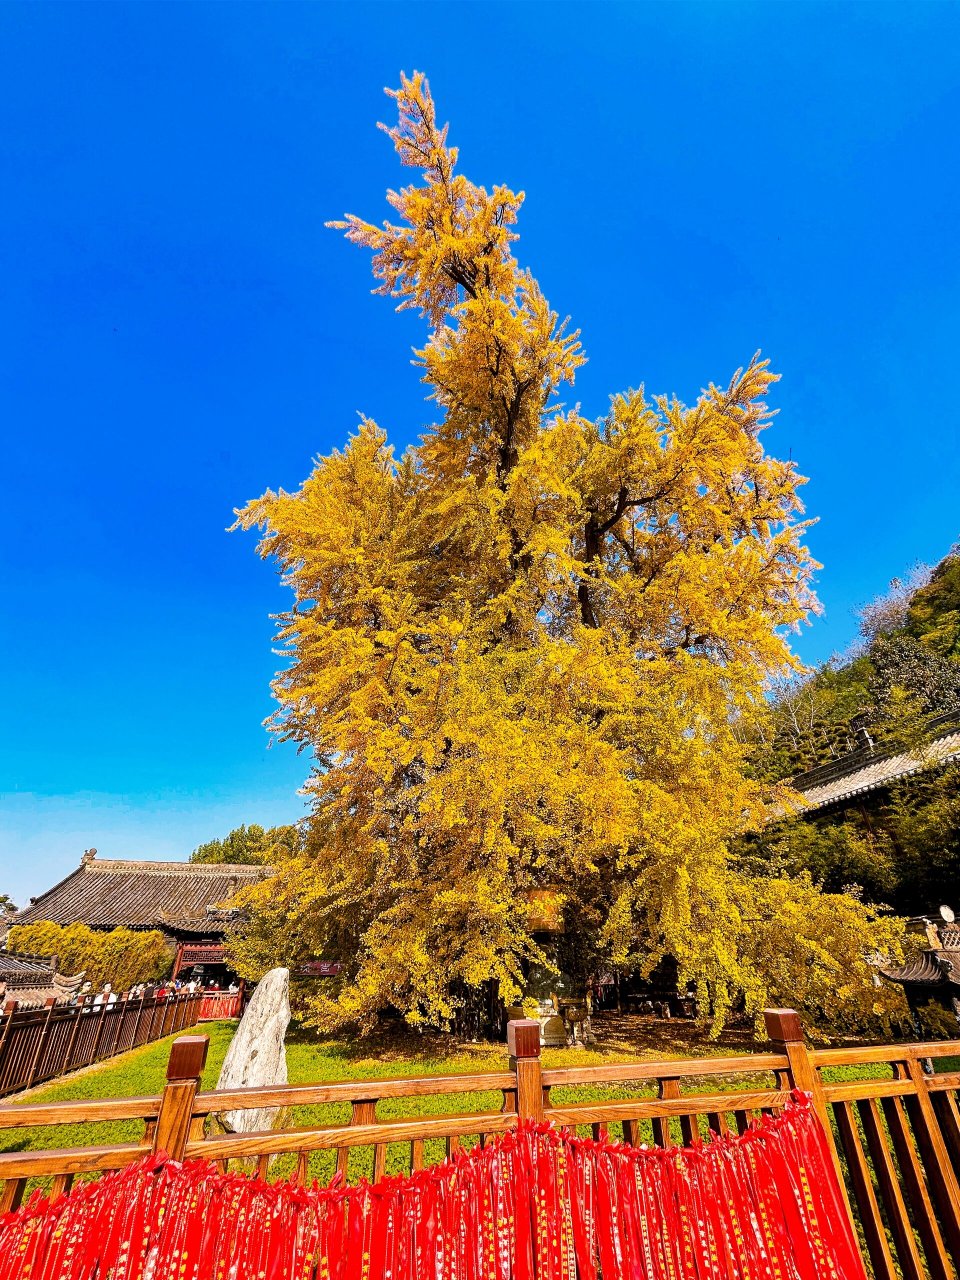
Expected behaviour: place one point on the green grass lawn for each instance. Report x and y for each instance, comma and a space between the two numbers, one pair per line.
142, 1072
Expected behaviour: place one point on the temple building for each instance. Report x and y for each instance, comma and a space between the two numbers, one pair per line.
934, 973
32, 980
186, 901
847, 781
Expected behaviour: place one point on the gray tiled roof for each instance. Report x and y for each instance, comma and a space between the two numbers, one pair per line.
24, 970
921, 971
106, 894
866, 770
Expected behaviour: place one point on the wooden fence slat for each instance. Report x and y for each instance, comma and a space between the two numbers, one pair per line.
304, 1095
99, 1011
891, 1192
8, 1011
239, 1146
859, 1055
668, 1090
60, 1185
870, 1219
43, 1164
941, 1178
362, 1112
915, 1185
717, 1122
948, 1114
11, 1195
623, 1072
117, 1013
80, 1111
786, 1034
42, 1038
136, 1022
73, 1022
672, 1104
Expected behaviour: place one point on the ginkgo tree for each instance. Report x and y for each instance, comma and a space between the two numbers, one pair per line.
519, 651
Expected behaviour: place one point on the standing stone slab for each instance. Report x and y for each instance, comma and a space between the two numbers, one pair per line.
256, 1055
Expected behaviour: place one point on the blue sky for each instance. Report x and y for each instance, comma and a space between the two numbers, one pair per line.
180, 331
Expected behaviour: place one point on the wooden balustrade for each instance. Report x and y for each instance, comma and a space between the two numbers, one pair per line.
220, 1004
893, 1126
40, 1044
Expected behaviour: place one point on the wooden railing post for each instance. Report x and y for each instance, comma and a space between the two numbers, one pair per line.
134, 1044
523, 1042
9, 1009
41, 1042
786, 1035
187, 1058
100, 1011
74, 1032
118, 1014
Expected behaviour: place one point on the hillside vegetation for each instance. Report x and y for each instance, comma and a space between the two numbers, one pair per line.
900, 847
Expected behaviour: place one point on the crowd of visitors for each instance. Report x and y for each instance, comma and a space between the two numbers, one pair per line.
151, 990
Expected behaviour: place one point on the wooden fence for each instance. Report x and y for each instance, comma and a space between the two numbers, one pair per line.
220, 1004
39, 1044
894, 1125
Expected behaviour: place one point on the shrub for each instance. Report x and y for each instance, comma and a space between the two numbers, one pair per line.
121, 957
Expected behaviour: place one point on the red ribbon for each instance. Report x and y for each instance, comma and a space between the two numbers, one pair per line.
534, 1204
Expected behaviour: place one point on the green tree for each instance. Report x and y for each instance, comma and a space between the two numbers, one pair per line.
934, 612
248, 845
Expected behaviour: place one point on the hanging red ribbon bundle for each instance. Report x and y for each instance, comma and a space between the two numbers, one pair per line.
533, 1205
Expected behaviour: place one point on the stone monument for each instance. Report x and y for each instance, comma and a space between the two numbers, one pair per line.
256, 1055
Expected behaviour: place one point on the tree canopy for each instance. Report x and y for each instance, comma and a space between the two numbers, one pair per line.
248, 845
519, 652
